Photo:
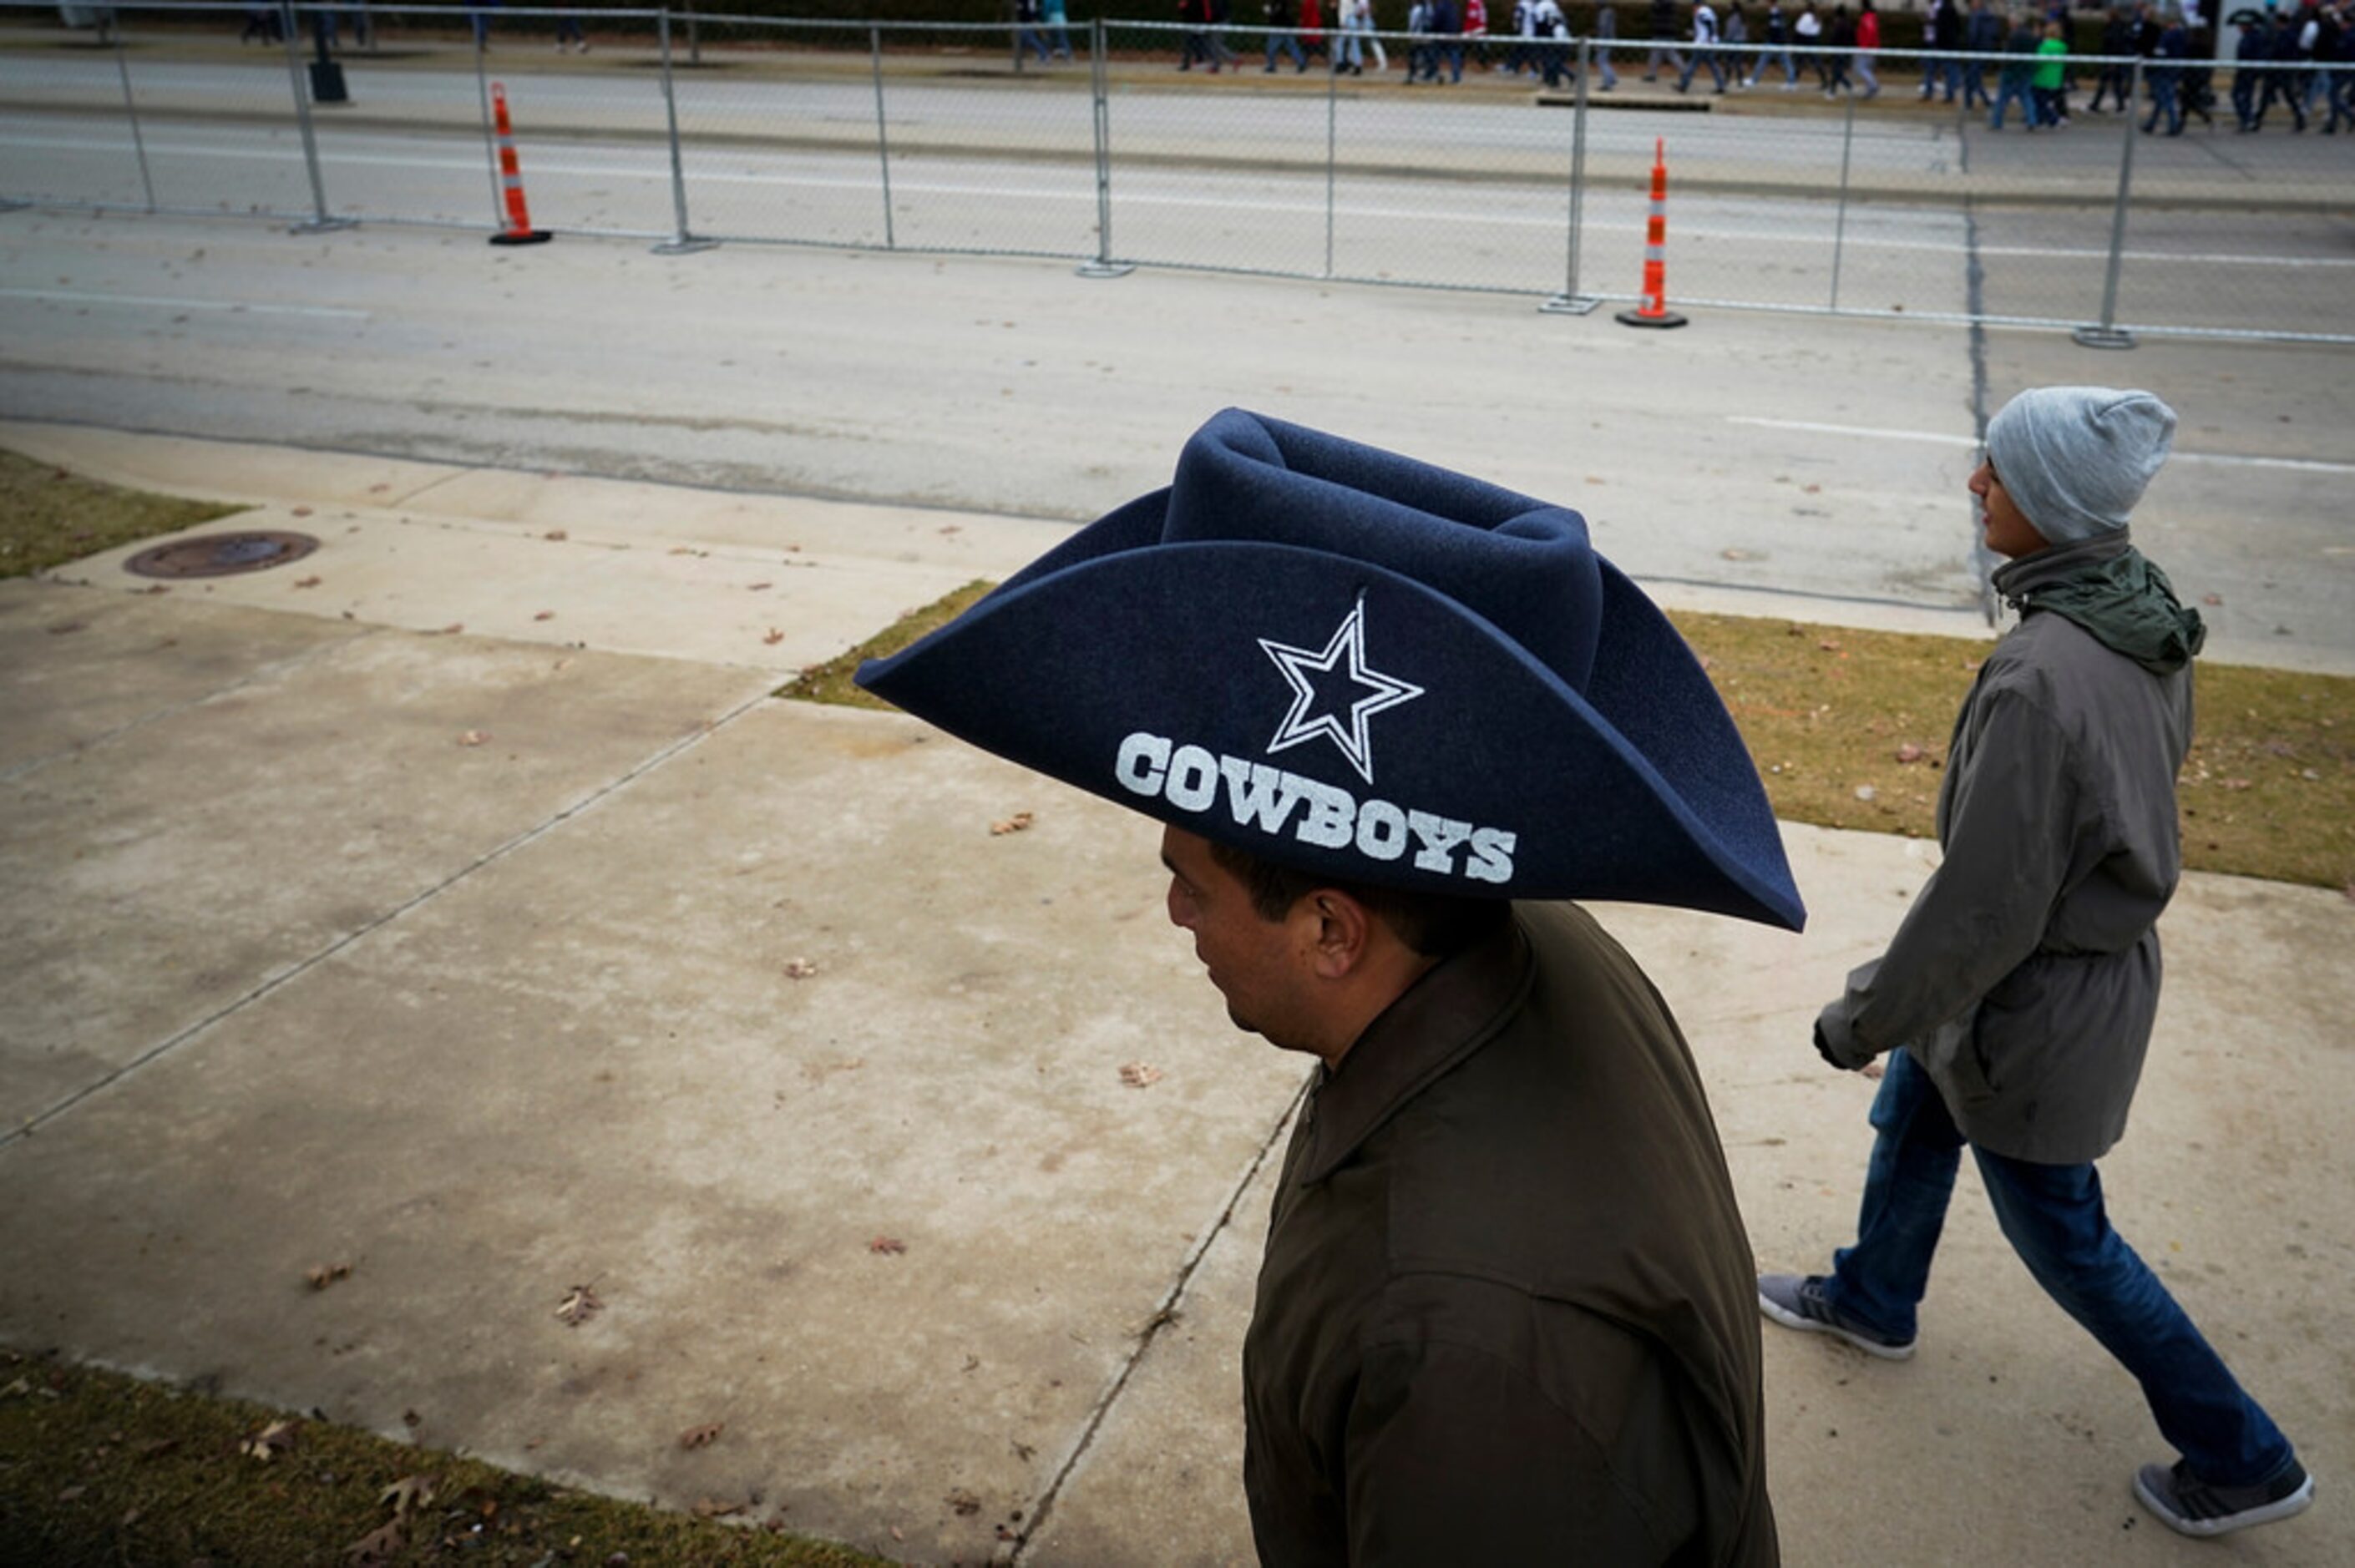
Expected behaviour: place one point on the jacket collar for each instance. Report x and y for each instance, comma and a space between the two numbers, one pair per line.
1452, 1012
2015, 579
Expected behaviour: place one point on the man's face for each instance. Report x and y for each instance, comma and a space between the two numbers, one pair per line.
2008, 532
1259, 965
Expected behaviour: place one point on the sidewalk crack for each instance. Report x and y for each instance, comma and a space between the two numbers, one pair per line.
169, 710
530, 835
1163, 1314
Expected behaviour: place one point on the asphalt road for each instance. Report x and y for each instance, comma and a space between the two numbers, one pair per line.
1452, 191
1775, 462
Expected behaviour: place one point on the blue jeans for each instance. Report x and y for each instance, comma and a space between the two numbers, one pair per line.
2053, 1217
1701, 57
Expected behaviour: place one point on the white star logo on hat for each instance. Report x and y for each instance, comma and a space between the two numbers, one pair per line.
1347, 651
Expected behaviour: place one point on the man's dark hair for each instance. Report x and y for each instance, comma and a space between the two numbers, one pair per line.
1435, 925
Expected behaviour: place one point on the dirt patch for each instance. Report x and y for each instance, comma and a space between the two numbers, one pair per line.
49, 517
98, 1467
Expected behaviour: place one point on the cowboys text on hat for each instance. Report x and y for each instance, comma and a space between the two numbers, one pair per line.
1190, 777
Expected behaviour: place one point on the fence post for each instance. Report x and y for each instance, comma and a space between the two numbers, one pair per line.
682, 242
319, 222
2108, 335
882, 134
1104, 266
1840, 225
1332, 149
1570, 302
490, 138
131, 108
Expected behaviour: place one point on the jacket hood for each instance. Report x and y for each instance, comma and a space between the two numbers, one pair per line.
2115, 593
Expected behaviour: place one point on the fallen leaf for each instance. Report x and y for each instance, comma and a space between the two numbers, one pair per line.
1013, 824
311, 581
271, 1441
302, 512
68, 1494
756, 587
774, 638
965, 1504
379, 489
410, 1418
544, 615
897, 1535
454, 627
2212, 598
1140, 1075
580, 1306
1815, 490
407, 1495
1866, 791
322, 1275
1829, 646
557, 533
712, 1508
62, 627
700, 1436
1908, 752
378, 1546
890, 1246
474, 737
2234, 783
799, 969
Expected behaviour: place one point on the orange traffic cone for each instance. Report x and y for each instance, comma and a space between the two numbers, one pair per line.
519, 230
1655, 312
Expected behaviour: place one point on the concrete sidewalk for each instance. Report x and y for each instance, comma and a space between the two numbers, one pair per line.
472, 916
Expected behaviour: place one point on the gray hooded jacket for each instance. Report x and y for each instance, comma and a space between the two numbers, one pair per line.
2025, 977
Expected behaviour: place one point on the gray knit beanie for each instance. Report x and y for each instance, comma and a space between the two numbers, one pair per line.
2075, 459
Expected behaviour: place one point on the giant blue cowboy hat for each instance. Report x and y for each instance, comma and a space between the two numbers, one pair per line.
1365, 667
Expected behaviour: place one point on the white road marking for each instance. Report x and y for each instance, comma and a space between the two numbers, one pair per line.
1935, 438
80, 297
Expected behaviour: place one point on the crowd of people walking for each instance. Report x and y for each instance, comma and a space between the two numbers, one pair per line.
2297, 58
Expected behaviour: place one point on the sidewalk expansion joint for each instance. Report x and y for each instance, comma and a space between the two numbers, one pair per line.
703, 732
1163, 1314
33, 764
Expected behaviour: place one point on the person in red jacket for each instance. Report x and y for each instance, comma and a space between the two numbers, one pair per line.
1867, 45
1312, 29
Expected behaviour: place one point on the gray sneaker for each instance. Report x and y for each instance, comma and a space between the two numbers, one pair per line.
1799, 1303
2185, 1502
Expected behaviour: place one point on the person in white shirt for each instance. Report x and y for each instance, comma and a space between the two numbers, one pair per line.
1704, 36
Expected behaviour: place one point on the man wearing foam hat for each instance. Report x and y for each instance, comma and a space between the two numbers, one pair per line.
1383, 711
2015, 999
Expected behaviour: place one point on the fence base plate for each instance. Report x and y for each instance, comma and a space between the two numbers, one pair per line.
685, 245
2103, 337
1571, 306
1103, 269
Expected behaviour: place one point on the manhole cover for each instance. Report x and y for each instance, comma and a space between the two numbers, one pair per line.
222, 555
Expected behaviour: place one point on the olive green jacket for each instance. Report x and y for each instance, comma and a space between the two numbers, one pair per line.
1507, 1312
2025, 977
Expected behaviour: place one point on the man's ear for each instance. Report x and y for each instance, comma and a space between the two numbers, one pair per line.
1343, 931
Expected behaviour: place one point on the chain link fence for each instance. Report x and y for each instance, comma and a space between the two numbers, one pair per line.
1496, 163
